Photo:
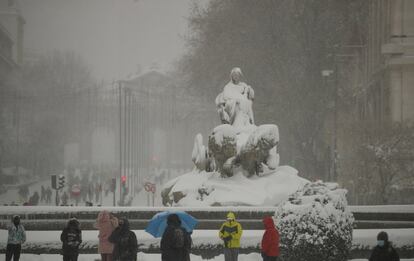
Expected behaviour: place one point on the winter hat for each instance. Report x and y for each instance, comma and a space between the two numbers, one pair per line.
125, 224
16, 219
382, 236
231, 216
173, 219
73, 222
268, 222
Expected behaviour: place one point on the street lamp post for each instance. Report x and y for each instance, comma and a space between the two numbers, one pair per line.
325, 75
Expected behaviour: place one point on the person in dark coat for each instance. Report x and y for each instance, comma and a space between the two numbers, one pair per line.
16, 237
125, 242
71, 238
384, 251
176, 241
270, 240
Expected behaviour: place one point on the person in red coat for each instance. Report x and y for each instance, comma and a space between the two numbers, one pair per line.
270, 240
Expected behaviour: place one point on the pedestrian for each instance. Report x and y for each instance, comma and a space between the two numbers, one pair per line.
98, 190
71, 238
90, 192
42, 194
125, 242
106, 224
384, 251
270, 241
48, 195
24, 192
231, 232
176, 241
34, 199
65, 198
17, 236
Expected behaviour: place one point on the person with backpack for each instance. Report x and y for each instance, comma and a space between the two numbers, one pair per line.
231, 232
17, 236
176, 241
71, 238
125, 242
384, 251
270, 241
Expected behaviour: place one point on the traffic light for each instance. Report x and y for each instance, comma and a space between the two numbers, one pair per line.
124, 185
113, 184
54, 181
61, 181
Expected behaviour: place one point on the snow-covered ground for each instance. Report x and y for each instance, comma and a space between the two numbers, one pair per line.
148, 257
362, 238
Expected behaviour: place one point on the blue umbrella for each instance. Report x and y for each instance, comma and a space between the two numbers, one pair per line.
158, 223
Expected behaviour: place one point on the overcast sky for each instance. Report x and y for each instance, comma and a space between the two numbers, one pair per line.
113, 36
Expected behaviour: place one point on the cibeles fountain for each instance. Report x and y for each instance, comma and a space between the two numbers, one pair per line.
240, 165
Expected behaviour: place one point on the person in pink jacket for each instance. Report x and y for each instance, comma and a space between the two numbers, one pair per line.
106, 223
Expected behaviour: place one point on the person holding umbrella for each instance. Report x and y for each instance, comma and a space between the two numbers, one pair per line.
175, 228
231, 232
125, 242
176, 241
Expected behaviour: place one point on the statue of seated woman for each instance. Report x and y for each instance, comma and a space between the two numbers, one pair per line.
234, 104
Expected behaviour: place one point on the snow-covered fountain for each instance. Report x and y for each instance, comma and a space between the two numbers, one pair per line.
240, 167
240, 164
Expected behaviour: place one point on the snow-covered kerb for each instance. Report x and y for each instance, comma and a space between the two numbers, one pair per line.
207, 243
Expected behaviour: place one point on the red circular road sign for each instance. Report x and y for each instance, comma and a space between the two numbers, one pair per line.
149, 187
75, 190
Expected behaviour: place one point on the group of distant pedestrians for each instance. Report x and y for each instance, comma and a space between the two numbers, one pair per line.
118, 243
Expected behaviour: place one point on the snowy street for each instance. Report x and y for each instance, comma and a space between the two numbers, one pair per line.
362, 239
148, 257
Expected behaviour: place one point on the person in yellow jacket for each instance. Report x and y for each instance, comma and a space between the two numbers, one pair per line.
230, 232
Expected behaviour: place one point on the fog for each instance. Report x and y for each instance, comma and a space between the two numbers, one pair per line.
115, 38
97, 90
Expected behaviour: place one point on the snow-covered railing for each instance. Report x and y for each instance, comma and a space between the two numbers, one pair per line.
54, 218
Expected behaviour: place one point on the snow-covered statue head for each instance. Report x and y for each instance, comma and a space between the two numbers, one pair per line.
236, 75
234, 104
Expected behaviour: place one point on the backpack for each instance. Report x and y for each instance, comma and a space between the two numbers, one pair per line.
178, 238
72, 239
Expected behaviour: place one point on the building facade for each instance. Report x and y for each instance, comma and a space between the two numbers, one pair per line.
12, 20
379, 71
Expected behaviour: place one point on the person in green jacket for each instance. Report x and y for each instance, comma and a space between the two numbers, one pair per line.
231, 232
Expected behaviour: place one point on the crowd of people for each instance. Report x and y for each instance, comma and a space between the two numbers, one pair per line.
117, 242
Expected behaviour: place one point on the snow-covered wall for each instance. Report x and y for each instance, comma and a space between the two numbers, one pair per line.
207, 243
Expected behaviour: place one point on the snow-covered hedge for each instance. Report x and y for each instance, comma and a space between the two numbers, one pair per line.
315, 224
